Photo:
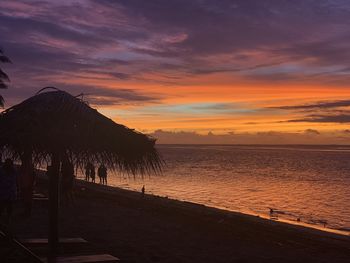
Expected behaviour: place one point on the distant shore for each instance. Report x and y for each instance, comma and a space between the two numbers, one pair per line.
148, 228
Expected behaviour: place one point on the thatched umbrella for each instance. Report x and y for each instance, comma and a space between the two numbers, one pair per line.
54, 123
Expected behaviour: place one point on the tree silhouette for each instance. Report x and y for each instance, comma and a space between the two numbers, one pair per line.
3, 76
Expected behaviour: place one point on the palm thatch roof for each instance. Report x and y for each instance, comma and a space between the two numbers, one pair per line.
3, 76
55, 121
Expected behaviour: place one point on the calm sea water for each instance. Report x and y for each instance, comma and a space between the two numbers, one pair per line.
307, 182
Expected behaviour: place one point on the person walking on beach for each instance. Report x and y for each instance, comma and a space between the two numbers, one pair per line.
143, 191
67, 181
8, 188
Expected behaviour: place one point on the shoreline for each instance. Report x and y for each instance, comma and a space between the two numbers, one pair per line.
150, 228
223, 209
109, 189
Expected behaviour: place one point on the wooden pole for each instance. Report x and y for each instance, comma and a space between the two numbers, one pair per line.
53, 203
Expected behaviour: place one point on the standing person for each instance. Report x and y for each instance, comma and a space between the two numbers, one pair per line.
104, 174
67, 181
87, 171
8, 188
143, 191
92, 172
99, 173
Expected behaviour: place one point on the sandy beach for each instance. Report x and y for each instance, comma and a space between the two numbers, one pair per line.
155, 229
232, 117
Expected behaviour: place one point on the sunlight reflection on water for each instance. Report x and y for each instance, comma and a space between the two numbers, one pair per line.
310, 183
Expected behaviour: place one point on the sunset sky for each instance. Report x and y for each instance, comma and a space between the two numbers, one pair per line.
200, 71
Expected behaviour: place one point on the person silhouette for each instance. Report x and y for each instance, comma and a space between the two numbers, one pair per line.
143, 190
102, 174
92, 172
87, 171
99, 173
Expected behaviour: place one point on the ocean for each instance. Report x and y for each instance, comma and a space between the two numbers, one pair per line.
310, 184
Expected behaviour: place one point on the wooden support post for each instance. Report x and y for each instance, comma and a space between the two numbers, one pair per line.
53, 203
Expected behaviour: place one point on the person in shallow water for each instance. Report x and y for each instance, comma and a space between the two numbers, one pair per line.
8, 188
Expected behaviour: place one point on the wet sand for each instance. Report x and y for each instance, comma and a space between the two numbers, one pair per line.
155, 229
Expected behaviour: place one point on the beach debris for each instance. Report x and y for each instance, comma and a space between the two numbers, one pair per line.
323, 222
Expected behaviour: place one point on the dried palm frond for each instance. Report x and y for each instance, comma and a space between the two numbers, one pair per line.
3, 76
57, 122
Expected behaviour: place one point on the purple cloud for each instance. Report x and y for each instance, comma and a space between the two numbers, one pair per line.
254, 40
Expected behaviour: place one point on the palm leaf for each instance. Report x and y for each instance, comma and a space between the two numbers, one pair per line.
3, 75
4, 59
2, 85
